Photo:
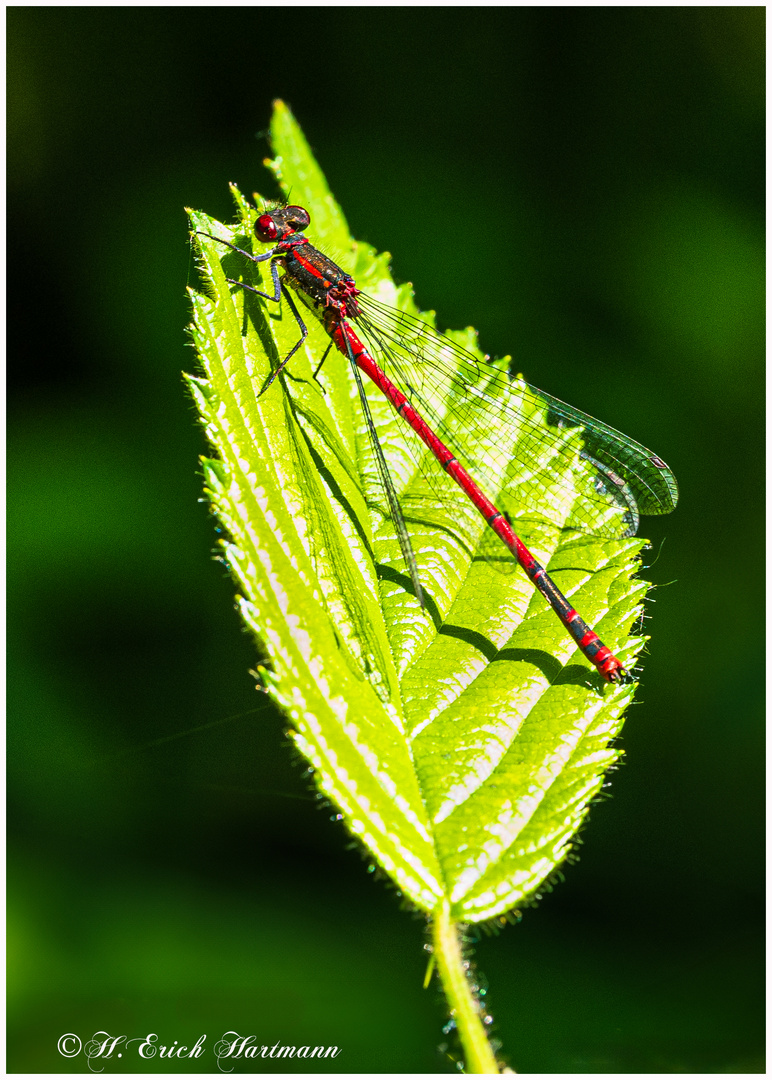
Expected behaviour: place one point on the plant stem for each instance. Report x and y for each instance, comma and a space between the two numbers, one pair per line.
463, 1005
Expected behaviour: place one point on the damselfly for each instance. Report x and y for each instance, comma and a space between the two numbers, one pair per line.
484, 415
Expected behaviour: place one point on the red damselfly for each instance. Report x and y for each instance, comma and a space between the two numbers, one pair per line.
483, 414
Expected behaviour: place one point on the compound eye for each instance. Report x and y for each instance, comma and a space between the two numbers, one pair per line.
265, 228
298, 217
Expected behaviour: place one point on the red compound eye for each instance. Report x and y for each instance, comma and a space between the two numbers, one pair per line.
265, 228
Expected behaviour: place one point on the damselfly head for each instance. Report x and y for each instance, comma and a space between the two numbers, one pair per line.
285, 221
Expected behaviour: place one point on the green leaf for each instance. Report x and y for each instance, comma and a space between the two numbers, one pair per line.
462, 743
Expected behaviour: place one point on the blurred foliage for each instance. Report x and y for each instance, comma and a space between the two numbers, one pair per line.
600, 171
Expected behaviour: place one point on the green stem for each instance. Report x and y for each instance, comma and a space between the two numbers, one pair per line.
464, 1007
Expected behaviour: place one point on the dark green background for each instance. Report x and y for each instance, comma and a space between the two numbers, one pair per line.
600, 174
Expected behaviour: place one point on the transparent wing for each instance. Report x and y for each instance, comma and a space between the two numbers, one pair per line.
506, 431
